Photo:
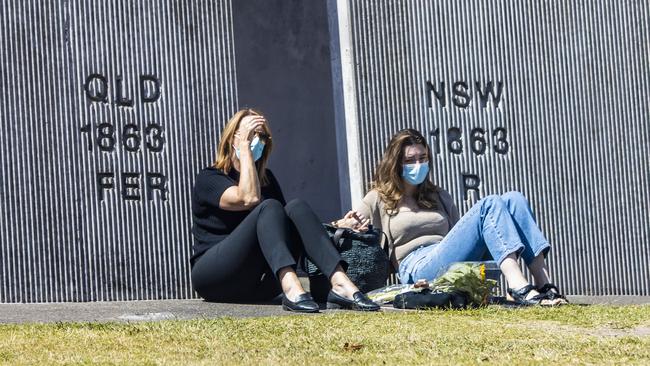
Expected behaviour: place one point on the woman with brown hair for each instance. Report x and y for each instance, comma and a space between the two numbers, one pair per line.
425, 235
247, 241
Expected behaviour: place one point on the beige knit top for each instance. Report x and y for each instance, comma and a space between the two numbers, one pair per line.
412, 229
409, 229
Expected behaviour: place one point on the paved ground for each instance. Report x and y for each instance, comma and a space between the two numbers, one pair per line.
131, 311
188, 309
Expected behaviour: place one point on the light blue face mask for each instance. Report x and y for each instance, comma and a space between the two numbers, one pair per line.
415, 173
257, 147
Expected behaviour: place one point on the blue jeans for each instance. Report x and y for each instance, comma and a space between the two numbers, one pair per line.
495, 225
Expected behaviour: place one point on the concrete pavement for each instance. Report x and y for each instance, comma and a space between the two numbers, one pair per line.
128, 311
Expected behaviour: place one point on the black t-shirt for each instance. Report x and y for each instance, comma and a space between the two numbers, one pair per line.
211, 224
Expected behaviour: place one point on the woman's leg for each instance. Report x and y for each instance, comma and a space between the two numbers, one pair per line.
531, 236
536, 245
318, 246
243, 266
487, 226
539, 270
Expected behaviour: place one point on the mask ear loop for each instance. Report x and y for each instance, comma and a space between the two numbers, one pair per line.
232, 143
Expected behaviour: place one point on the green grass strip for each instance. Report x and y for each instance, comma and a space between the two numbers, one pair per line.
494, 335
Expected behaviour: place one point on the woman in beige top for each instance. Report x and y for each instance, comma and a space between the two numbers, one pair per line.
425, 234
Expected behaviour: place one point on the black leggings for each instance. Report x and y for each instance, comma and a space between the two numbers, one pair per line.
243, 267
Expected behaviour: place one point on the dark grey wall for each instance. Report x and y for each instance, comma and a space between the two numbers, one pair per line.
283, 69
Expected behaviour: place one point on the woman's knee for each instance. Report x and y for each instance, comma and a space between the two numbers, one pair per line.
270, 205
491, 200
492, 203
298, 206
514, 198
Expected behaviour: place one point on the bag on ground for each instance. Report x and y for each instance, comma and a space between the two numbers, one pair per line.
368, 264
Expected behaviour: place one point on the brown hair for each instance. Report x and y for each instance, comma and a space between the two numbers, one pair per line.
225, 151
388, 179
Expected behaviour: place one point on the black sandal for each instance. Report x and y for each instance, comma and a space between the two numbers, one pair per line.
519, 296
550, 294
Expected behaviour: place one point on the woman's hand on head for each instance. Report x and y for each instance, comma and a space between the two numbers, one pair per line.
248, 126
353, 220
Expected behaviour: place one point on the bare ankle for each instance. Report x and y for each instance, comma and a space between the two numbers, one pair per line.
291, 286
341, 285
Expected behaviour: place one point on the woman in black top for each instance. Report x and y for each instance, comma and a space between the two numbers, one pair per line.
246, 240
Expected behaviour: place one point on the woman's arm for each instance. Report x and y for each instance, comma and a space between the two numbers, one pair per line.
360, 217
247, 193
353, 220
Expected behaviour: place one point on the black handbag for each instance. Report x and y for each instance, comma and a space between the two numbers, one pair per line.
426, 299
368, 263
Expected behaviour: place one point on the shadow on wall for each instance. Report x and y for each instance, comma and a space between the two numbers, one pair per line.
283, 70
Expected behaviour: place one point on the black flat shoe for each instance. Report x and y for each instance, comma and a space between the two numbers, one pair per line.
360, 302
303, 304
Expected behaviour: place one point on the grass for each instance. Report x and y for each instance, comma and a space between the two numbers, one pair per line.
493, 335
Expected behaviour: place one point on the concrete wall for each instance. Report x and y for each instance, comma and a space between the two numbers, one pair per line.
109, 110
545, 98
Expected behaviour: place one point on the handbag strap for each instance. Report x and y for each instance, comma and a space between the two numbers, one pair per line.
337, 236
385, 247
386, 250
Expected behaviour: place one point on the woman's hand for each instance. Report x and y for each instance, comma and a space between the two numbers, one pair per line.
247, 128
247, 193
353, 220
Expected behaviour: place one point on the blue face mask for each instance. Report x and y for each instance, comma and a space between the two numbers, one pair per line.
257, 147
415, 173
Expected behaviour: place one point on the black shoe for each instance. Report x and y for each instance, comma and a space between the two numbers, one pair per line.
303, 304
542, 299
519, 296
552, 292
360, 302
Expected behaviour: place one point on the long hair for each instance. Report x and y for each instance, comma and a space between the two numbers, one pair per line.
388, 179
225, 150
